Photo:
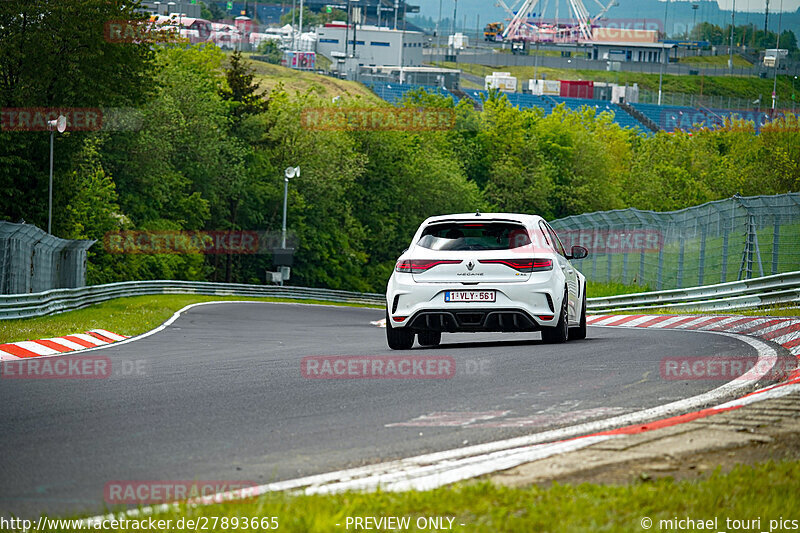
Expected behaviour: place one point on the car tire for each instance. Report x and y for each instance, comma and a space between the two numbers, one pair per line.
559, 333
429, 338
579, 332
398, 338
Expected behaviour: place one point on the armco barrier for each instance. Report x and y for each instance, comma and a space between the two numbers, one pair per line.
60, 300
752, 293
779, 289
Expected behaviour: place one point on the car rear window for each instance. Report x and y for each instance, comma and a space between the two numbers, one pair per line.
474, 236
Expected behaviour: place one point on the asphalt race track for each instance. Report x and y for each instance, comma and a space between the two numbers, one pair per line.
219, 395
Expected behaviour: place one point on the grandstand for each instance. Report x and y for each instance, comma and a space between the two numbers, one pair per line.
666, 117
394, 92
672, 118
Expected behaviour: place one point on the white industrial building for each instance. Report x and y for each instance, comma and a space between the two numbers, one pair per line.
370, 46
630, 52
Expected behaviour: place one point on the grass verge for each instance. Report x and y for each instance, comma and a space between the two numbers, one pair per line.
126, 316
733, 86
765, 490
596, 289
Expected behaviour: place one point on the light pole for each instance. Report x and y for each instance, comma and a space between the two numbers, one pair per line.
777, 59
438, 35
661, 56
59, 124
289, 173
730, 51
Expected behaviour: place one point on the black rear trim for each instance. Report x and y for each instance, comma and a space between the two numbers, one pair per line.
470, 320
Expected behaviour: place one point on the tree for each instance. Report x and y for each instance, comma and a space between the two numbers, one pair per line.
211, 11
241, 89
57, 54
312, 18
272, 50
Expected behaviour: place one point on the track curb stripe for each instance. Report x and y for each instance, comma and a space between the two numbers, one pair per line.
58, 345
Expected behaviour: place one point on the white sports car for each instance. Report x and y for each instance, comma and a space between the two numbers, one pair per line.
485, 272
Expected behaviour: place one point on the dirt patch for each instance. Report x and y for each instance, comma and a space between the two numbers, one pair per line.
765, 431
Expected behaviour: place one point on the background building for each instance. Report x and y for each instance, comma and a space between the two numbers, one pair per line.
368, 46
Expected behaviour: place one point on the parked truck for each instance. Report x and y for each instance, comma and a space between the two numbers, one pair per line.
493, 31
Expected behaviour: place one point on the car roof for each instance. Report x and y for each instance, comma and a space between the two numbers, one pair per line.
486, 217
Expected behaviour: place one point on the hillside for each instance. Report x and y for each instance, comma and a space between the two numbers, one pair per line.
269, 76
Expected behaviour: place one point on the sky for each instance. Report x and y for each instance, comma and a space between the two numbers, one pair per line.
755, 5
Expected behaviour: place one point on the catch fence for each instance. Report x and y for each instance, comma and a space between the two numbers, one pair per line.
726, 240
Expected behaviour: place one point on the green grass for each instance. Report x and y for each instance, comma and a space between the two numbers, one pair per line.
727, 86
767, 490
126, 316
598, 289
634, 268
269, 76
716, 61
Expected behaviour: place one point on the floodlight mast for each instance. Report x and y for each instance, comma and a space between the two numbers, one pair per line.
290, 172
58, 124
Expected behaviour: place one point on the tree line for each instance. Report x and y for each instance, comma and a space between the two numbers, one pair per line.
208, 149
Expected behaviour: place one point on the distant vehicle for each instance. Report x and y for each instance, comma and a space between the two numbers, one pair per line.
458, 41
774, 54
485, 272
502, 81
493, 31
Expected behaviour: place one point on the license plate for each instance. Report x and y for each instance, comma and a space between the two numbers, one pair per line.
469, 296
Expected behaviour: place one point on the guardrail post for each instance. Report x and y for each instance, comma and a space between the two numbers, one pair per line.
680, 263
625, 268
724, 274
776, 238
641, 267
702, 261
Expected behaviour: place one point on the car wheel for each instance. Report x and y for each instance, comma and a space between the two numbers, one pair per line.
429, 338
580, 332
560, 333
398, 338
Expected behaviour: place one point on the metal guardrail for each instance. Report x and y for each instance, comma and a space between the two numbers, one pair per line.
752, 293
746, 294
60, 300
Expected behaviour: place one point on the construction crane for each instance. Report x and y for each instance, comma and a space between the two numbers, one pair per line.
529, 24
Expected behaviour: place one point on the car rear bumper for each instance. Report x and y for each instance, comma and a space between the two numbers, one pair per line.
524, 306
471, 320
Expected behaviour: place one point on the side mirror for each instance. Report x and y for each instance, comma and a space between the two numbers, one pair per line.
578, 252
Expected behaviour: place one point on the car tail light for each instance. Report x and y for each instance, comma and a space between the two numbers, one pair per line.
416, 266
522, 265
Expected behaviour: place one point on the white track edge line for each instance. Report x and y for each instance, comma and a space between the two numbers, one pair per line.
767, 357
